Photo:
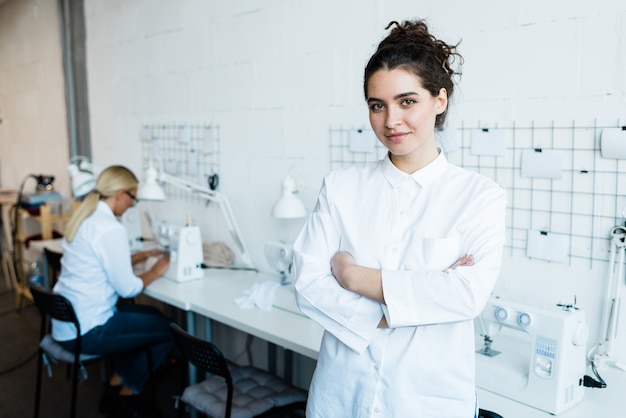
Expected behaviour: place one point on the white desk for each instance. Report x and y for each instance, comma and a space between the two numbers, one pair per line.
214, 298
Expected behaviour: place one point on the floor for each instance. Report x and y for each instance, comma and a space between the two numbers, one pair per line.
19, 333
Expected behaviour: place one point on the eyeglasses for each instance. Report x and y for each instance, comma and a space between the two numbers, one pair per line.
133, 198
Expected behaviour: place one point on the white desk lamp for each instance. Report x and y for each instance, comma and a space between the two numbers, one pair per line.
82, 176
152, 190
604, 350
288, 206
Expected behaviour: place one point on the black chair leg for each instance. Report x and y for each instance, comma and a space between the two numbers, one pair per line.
38, 384
151, 375
75, 377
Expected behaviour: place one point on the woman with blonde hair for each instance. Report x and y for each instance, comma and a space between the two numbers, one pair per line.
97, 269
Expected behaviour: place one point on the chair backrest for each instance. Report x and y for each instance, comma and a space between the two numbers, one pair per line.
483, 413
55, 306
54, 262
206, 357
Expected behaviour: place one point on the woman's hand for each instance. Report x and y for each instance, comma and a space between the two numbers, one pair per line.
140, 256
463, 261
160, 267
157, 270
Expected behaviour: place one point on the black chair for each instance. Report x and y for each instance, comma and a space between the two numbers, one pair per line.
483, 413
53, 259
55, 306
242, 391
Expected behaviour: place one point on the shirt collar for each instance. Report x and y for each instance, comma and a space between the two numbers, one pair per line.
423, 176
102, 206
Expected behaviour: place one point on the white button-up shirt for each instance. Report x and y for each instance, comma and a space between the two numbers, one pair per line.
96, 270
413, 228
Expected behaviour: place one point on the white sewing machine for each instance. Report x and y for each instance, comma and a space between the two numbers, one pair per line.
186, 255
532, 355
131, 219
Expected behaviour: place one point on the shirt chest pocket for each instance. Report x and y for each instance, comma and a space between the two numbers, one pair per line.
433, 254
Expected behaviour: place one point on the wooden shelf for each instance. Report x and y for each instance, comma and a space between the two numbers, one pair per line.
47, 220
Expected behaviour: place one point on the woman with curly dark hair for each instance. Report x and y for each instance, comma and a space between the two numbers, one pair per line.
400, 255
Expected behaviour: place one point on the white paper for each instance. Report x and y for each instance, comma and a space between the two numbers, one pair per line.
184, 135
487, 142
613, 143
362, 141
145, 134
192, 162
208, 141
172, 167
547, 246
156, 149
542, 163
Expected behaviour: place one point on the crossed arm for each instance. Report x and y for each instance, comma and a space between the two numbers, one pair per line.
368, 281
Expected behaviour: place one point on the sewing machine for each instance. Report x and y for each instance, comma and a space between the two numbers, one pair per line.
532, 355
186, 255
131, 219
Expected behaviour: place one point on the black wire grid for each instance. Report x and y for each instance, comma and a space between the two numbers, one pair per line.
584, 204
187, 151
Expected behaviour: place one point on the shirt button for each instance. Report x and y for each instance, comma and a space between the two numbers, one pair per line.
376, 410
403, 212
376, 367
394, 249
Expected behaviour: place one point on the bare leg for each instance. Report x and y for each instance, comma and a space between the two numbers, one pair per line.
115, 380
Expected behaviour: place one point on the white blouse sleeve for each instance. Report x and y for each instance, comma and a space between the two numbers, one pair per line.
418, 297
114, 253
351, 318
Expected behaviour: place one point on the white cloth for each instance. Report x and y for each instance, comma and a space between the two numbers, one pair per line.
259, 295
412, 227
96, 270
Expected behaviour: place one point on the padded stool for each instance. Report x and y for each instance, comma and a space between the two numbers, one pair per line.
234, 391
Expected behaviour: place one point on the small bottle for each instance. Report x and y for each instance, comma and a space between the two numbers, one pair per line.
35, 276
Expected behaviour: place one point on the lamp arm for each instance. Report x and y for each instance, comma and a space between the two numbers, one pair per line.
187, 185
235, 232
83, 164
89, 167
225, 208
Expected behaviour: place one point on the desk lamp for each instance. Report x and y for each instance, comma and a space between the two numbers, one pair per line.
604, 350
82, 176
288, 206
152, 190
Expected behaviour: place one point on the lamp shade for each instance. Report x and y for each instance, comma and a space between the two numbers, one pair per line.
83, 182
289, 206
151, 189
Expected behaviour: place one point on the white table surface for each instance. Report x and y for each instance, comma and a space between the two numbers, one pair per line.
51, 244
214, 297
